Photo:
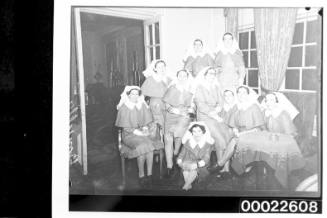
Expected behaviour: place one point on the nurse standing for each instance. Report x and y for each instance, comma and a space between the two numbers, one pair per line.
197, 58
229, 61
155, 86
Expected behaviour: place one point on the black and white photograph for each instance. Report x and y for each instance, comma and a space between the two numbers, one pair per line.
195, 102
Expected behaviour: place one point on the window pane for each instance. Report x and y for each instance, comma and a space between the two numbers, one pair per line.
245, 57
157, 36
309, 79
311, 56
151, 54
157, 52
150, 34
313, 31
253, 78
254, 60
295, 59
292, 79
253, 43
244, 40
298, 33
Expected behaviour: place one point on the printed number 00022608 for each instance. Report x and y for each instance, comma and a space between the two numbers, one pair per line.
279, 206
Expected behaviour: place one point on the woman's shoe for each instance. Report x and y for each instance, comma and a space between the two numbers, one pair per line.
169, 173
226, 175
149, 182
214, 168
142, 182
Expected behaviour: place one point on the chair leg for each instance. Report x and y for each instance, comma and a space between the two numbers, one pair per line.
123, 171
160, 162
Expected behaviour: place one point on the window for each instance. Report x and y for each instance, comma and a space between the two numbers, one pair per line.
248, 47
152, 41
301, 74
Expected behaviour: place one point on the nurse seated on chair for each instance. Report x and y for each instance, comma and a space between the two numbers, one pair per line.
246, 119
209, 102
279, 114
138, 131
195, 153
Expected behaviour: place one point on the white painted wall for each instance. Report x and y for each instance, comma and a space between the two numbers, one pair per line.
180, 26
245, 17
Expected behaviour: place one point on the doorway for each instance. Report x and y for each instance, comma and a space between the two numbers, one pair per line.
109, 52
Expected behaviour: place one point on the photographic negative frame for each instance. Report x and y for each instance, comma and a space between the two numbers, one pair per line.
116, 200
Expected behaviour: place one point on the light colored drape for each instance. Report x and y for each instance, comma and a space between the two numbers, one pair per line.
274, 29
231, 15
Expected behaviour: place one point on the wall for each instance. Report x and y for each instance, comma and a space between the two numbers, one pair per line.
245, 17
179, 27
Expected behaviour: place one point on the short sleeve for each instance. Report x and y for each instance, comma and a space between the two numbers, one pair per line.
218, 60
257, 117
188, 63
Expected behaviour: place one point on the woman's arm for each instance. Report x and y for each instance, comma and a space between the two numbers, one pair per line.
239, 63
129, 130
287, 124
210, 60
217, 61
241, 74
201, 105
205, 159
188, 63
181, 156
172, 109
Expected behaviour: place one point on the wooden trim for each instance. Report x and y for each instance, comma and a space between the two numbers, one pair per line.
80, 62
121, 12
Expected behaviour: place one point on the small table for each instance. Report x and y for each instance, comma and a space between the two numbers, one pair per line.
279, 151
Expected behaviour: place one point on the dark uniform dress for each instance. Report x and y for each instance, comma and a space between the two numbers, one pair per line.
196, 154
174, 98
155, 90
196, 64
230, 68
277, 149
129, 120
280, 124
226, 114
206, 100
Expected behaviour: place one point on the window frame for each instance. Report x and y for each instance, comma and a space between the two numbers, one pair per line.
301, 17
249, 29
147, 45
305, 19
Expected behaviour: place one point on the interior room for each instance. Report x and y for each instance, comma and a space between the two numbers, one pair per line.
111, 47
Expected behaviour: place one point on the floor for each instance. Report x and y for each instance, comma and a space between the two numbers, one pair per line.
104, 170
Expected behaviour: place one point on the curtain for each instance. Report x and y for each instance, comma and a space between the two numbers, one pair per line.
274, 29
231, 15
